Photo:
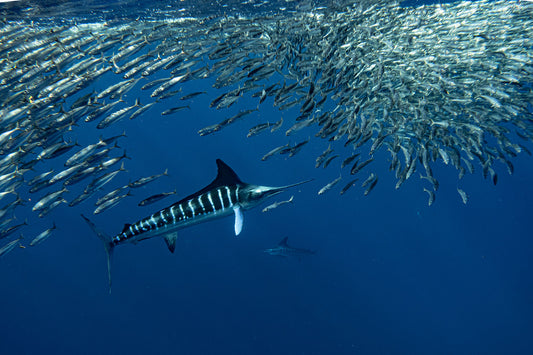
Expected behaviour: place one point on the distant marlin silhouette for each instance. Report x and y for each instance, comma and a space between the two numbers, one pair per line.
226, 195
283, 249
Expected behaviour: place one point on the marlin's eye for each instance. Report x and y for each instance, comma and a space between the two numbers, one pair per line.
257, 193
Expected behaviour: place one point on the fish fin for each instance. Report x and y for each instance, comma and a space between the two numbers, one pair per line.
284, 241
225, 176
239, 220
126, 226
170, 240
108, 246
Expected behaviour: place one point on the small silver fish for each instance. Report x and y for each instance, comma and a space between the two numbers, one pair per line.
43, 235
463, 195
9, 246
348, 185
277, 204
155, 198
329, 185
431, 196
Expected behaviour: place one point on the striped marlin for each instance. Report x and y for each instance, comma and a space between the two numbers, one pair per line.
226, 195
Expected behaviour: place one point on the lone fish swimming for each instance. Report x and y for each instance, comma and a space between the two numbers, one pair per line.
226, 195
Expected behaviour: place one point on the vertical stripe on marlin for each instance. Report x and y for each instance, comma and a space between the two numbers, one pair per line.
218, 203
167, 217
228, 195
152, 222
210, 198
222, 199
140, 226
191, 207
145, 225
208, 206
160, 222
189, 213
173, 213
235, 195
201, 204
171, 216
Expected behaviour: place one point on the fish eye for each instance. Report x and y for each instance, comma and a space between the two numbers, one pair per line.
257, 193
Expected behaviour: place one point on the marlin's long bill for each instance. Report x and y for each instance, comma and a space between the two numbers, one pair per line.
224, 196
277, 190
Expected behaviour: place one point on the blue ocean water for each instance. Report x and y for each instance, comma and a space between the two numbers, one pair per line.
391, 275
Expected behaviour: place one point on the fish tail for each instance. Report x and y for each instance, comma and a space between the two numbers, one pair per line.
108, 246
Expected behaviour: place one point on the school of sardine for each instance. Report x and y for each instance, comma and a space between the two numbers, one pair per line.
448, 83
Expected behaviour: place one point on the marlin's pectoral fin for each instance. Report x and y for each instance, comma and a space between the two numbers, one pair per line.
239, 220
170, 239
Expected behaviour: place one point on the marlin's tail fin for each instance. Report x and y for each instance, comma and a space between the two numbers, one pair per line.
108, 245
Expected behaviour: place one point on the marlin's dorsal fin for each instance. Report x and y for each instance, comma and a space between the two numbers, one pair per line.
284, 242
170, 240
225, 176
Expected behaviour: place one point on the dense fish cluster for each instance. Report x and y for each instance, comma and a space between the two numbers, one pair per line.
444, 83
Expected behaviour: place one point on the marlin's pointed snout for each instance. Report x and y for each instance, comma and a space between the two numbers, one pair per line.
252, 195
273, 191
277, 190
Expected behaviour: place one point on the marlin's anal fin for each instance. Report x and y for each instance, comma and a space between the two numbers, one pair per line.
239, 219
170, 240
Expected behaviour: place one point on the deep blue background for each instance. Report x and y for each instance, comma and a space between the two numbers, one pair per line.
391, 275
